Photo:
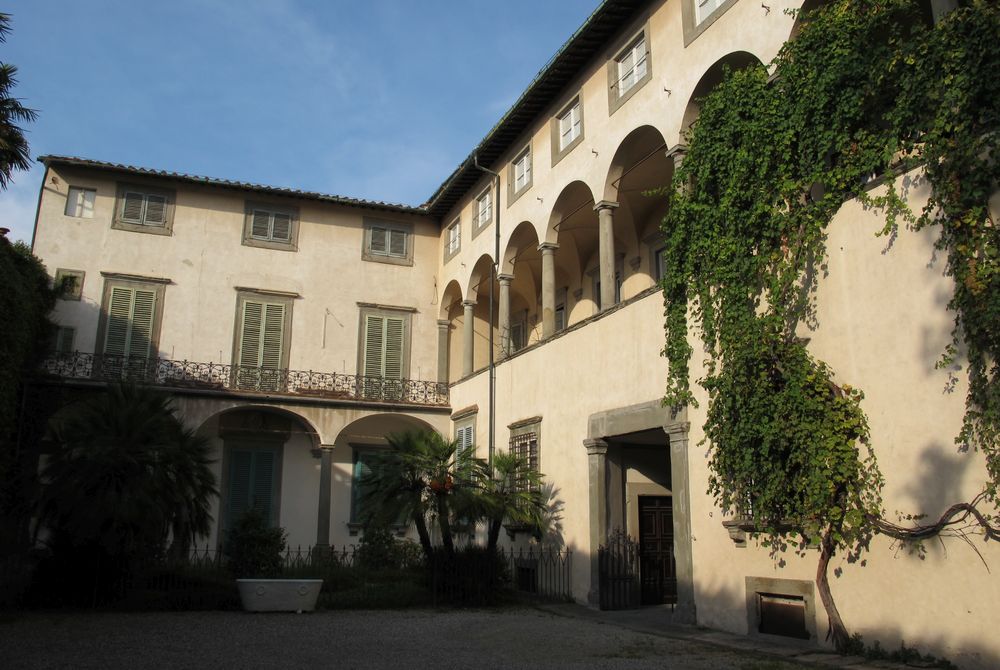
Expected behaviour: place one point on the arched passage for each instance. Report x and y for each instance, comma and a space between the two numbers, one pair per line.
451, 319
478, 293
737, 60
637, 179
265, 458
356, 448
520, 287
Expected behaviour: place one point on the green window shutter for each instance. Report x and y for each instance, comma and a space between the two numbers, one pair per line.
251, 484
240, 468
393, 348
374, 343
132, 207
260, 224
250, 337
263, 484
119, 311
362, 469
282, 228
156, 210
129, 328
274, 331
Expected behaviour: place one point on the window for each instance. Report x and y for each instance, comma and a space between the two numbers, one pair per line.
560, 315
659, 263
69, 284
144, 209
80, 202
518, 334
705, 8
262, 338
629, 70
252, 482
367, 462
519, 177
384, 354
567, 129
453, 239
524, 438
270, 226
64, 340
388, 242
484, 211
129, 326
465, 434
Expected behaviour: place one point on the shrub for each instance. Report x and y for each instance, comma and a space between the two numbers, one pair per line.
254, 548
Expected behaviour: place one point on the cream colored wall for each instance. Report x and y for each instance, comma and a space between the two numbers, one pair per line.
205, 261
743, 27
883, 325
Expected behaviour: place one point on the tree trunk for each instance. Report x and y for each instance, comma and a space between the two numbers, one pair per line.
837, 629
425, 537
493, 537
445, 523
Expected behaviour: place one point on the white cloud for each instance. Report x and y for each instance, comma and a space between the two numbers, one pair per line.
19, 202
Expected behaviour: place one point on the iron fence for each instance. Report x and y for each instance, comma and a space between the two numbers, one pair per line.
618, 572
216, 376
544, 573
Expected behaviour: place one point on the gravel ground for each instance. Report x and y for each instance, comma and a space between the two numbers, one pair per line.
524, 638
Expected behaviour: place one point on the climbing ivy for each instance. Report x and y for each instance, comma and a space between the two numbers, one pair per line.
869, 92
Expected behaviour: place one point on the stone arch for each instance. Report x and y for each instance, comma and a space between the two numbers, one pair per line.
737, 60
483, 313
451, 295
522, 239
480, 277
256, 421
374, 429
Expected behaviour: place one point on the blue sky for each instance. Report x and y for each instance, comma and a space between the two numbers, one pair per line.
379, 99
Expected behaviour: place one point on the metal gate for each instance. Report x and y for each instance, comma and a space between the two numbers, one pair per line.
618, 572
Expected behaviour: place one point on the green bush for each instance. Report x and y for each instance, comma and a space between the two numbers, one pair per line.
254, 548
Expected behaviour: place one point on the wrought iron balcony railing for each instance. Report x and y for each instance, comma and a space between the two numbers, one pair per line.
241, 378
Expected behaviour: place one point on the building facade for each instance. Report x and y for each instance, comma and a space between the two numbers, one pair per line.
298, 330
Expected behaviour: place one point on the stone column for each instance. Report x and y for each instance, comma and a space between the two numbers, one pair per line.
597, 457
468, 337
443, 326
548, 250
677, 431
504, 315
676, 156
325, 475
606, 239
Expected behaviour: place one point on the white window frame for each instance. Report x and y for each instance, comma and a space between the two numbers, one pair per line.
522, 171
705, 8
570, 125
484, 210
453, 238
631, 64
80, 202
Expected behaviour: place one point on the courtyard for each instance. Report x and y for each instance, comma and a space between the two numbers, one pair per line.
518, 638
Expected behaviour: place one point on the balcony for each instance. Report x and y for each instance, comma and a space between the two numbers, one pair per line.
187, 375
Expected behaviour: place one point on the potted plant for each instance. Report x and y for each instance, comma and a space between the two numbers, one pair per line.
255, 558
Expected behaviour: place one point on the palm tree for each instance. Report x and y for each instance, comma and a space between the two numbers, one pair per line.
423, 478
124, 476
512, 494
13, 146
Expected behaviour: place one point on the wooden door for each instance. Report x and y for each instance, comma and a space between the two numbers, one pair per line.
657, 569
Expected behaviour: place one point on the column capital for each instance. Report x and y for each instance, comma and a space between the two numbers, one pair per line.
468, 304
595, 446
677, 151
444, 323
549, 247
677, 430
504, 277
605, 204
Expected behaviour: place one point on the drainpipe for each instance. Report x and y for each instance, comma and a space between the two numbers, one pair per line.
493, 279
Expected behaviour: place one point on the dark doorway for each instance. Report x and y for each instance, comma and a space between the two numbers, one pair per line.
657, 569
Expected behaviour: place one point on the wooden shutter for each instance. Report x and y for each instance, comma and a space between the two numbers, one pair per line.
377, 241
251, 484
394, 348
132, 207
374, 343
259, 225
156, 210
129, 328
262, 495
362, 470
397, 243
250, 337
282, 228
272, 336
